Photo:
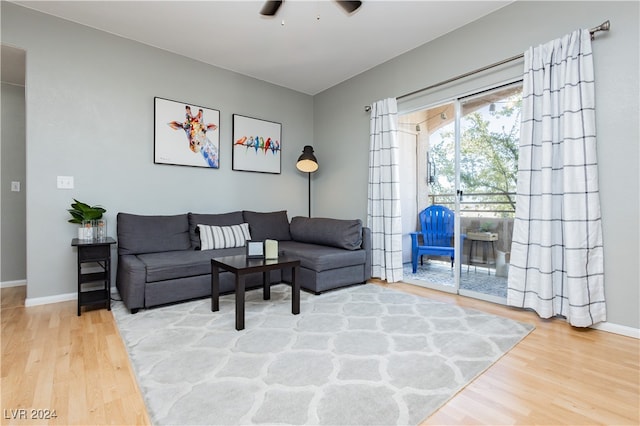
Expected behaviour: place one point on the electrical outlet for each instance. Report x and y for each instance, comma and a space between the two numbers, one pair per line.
65, 182
15, 186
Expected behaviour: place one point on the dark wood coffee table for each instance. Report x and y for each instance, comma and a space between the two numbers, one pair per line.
241, 266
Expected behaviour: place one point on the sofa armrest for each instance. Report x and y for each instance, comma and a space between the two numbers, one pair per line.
366, 245
130, 280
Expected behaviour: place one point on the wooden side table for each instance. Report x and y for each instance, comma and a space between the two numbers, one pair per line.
99, 252
485, 238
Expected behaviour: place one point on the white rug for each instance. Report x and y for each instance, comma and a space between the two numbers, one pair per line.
363, 355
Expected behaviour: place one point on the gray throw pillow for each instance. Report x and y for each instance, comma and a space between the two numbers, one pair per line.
341, 233
271, 225
152, 234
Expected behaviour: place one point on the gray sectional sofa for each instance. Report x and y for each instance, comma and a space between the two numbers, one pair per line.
160, 259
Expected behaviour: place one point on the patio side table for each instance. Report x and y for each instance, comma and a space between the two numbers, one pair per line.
485, 238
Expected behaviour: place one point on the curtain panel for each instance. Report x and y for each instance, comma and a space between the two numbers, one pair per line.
557, 263
383, 209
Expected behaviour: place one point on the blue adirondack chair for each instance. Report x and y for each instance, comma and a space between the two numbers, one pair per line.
437, 225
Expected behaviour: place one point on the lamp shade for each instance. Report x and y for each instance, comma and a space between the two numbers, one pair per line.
307, 162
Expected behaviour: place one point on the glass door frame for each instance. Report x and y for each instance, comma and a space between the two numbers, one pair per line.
458, 242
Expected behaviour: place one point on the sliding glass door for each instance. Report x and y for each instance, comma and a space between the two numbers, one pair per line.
434, 184
466, 160
488, 164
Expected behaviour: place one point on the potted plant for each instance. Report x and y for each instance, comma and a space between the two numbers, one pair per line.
485, 227
482, 232
85, 215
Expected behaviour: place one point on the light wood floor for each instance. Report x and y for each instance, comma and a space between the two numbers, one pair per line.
54, 360
78, 366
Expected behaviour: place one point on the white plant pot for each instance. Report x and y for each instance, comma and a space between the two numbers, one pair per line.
87, 231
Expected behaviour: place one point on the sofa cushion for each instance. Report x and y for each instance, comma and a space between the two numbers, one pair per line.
179, 264
322, 258
219, 237
345, 234
222, 219
151, 234
268, 226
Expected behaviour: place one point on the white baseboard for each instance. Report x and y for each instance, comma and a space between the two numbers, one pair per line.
16, 283
618, 329
35, 301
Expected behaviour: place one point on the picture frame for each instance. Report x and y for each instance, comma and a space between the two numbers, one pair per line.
257, 145
186, 134
255, 249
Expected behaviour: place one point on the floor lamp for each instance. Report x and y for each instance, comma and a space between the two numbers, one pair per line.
307, 163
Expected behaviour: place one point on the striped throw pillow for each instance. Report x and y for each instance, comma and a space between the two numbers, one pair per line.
219, 237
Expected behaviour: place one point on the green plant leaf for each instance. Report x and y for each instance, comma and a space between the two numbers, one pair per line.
82, 211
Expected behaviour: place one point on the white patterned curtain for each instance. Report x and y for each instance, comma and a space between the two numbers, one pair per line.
556, 256
383, 210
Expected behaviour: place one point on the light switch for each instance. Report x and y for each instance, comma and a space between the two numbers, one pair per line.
65, 182
15, 186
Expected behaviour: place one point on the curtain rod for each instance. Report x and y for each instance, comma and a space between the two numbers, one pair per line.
605, 26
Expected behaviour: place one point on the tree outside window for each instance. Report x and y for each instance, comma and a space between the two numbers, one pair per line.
490, 135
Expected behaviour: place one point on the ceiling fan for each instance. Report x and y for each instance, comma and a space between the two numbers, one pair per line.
270, 8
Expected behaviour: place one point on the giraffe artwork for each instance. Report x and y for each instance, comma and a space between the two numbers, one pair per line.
197, 146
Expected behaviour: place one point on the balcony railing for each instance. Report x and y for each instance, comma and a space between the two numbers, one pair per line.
490, 204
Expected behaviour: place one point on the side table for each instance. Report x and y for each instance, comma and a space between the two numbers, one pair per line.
485, 238
99, 252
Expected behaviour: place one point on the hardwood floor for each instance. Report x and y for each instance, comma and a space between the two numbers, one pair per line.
54, 360
78, 366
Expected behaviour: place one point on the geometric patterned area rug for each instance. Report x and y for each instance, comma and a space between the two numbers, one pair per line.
363, 355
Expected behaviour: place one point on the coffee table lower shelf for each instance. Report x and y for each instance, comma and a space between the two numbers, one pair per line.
241, 266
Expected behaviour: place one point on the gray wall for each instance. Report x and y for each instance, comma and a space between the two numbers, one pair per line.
13, 261
89, 103
341, 125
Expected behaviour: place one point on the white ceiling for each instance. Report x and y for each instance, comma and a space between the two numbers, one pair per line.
308, 46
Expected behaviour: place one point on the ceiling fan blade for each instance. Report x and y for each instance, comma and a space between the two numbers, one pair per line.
350, 6
270, 8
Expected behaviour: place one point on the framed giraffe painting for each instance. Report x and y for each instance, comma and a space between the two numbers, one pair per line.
186, 134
